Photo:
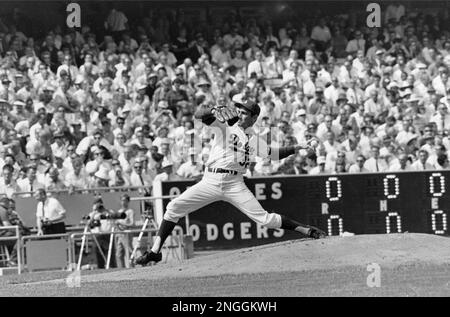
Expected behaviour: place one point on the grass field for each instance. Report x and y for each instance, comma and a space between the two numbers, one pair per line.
410, 265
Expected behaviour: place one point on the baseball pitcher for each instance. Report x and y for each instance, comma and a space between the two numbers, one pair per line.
234, 146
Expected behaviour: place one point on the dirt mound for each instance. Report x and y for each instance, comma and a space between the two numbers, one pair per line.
389, 251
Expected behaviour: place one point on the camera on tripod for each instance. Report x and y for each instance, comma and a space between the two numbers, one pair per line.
104, 215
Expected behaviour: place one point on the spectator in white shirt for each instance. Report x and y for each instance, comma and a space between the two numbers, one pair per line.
358, 43
358, 167
442, 118
321, 34
29, 184
421, 164
257, 66
320, 168
49, 214
191, 168
403, 164
77, 178
171, 59
233, 37
8, 185
375, 163
328, 125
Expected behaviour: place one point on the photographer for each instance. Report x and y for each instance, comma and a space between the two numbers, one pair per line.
122, 241
101, 220
49, 214
5, 222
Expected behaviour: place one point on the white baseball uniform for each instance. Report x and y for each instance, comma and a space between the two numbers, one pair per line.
232, 149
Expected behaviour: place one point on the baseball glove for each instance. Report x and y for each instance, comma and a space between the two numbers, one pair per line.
226, 114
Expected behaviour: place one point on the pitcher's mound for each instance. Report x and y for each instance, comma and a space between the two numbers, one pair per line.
387, 250
410, 265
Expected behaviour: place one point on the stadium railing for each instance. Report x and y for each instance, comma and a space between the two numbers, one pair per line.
17, 239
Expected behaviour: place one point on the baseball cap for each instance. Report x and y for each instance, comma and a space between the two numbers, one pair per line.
126, 107
203, 82
48, 87
19, 102
300, 112
237, 98
392, 85
102, 173
166, 163
58, 134
163, 104
421, 66
141, 86
79, 79
251, 106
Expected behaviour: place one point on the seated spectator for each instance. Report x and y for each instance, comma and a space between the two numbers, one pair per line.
421, 164
375, 163
29, 184
5, 233
191, 168
320, 168
8, 185
358, 167
53, 182
77, 178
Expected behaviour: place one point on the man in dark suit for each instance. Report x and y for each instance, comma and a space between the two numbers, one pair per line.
292, 166
197, 48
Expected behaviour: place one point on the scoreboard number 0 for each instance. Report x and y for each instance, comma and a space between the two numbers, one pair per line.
441, 183
340, 224
444, 221
387, 192
328, 183
388, 222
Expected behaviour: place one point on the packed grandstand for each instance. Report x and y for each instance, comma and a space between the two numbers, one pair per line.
87, 108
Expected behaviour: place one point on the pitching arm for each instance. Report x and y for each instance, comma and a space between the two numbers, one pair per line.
222, 114
283, 152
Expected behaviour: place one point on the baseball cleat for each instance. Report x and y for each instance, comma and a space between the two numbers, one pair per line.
316, 233
148, 257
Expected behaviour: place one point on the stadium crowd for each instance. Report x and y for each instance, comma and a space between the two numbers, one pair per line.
81, 110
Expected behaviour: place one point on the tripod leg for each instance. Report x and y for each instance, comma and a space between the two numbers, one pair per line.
127, 251
83, 242
133, 254
111, 241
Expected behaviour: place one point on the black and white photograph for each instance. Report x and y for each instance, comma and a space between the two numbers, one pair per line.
223, 155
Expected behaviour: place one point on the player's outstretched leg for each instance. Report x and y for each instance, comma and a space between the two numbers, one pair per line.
194, 198
244, 200
307, 230
155, 254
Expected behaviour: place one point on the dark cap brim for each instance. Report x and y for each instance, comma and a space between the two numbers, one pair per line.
254, 111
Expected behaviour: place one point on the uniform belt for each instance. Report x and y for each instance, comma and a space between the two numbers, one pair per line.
221, 170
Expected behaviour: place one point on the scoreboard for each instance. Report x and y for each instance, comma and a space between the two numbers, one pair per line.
369, 203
